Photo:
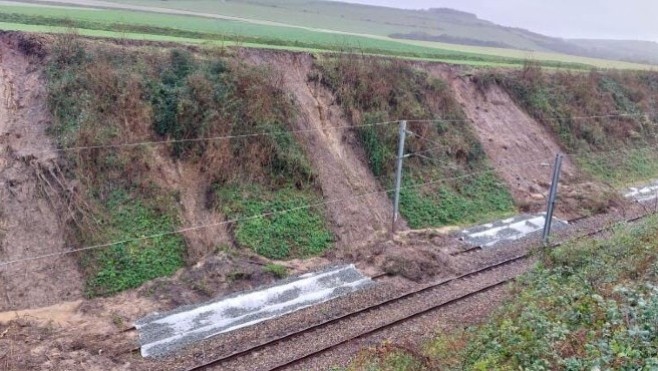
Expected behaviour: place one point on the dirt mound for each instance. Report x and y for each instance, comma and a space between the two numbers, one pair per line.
336, 155
29, 218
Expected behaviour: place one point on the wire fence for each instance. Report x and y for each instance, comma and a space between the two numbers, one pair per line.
423, 154
301, 131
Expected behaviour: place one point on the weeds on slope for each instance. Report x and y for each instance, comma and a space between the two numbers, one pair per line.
104, 95
374, 90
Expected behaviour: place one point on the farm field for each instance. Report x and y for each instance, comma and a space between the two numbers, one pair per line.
261, 32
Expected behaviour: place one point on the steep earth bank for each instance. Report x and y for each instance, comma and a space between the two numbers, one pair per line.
32, 201
187, 185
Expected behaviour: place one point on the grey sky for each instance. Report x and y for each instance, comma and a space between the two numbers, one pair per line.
604, 19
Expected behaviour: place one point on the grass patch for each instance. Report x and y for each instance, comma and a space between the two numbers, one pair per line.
622, 168
475, 199
283, 235
277, 270
128, 265
376, 90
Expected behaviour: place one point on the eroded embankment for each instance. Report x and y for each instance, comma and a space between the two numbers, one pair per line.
334, 150
239, 133
521, 149
32, 200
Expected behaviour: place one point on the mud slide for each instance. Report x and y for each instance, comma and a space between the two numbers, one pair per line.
519, 147
335, 153
29, 218
189, 182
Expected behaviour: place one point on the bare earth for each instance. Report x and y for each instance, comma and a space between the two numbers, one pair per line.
29, 218
510, 138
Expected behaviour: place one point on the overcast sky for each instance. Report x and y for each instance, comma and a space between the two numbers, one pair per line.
603, 19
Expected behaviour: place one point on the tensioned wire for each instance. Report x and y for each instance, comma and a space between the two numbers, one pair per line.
253, 217
237, 220
285, 132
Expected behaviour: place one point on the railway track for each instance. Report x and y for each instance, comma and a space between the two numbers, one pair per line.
412, 299
378, 306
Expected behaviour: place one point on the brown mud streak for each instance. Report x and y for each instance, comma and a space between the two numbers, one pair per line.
30, 221
340, 162
189, 180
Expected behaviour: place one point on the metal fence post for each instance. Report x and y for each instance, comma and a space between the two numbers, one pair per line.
552, 197
398, 174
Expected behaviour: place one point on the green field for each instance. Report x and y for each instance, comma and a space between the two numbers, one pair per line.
268, 30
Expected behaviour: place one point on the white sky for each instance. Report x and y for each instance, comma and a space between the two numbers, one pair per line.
602, 19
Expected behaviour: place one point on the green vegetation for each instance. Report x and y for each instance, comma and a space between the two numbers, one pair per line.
130, 264
279, 271
583, 112
622, 168
472, 200
590, 304
104, 95
374, 91
299, 232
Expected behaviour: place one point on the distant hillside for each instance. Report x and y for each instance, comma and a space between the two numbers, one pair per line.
436, 24
324, 25
457, 24
628, 50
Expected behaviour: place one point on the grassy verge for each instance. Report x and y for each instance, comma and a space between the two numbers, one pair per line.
588, 305
376, 90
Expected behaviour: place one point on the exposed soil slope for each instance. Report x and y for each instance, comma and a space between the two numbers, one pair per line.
189, 180
336, 155
29, 209
521, 149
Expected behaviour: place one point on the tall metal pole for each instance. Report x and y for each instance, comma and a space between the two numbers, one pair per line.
552, 197
398, 174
